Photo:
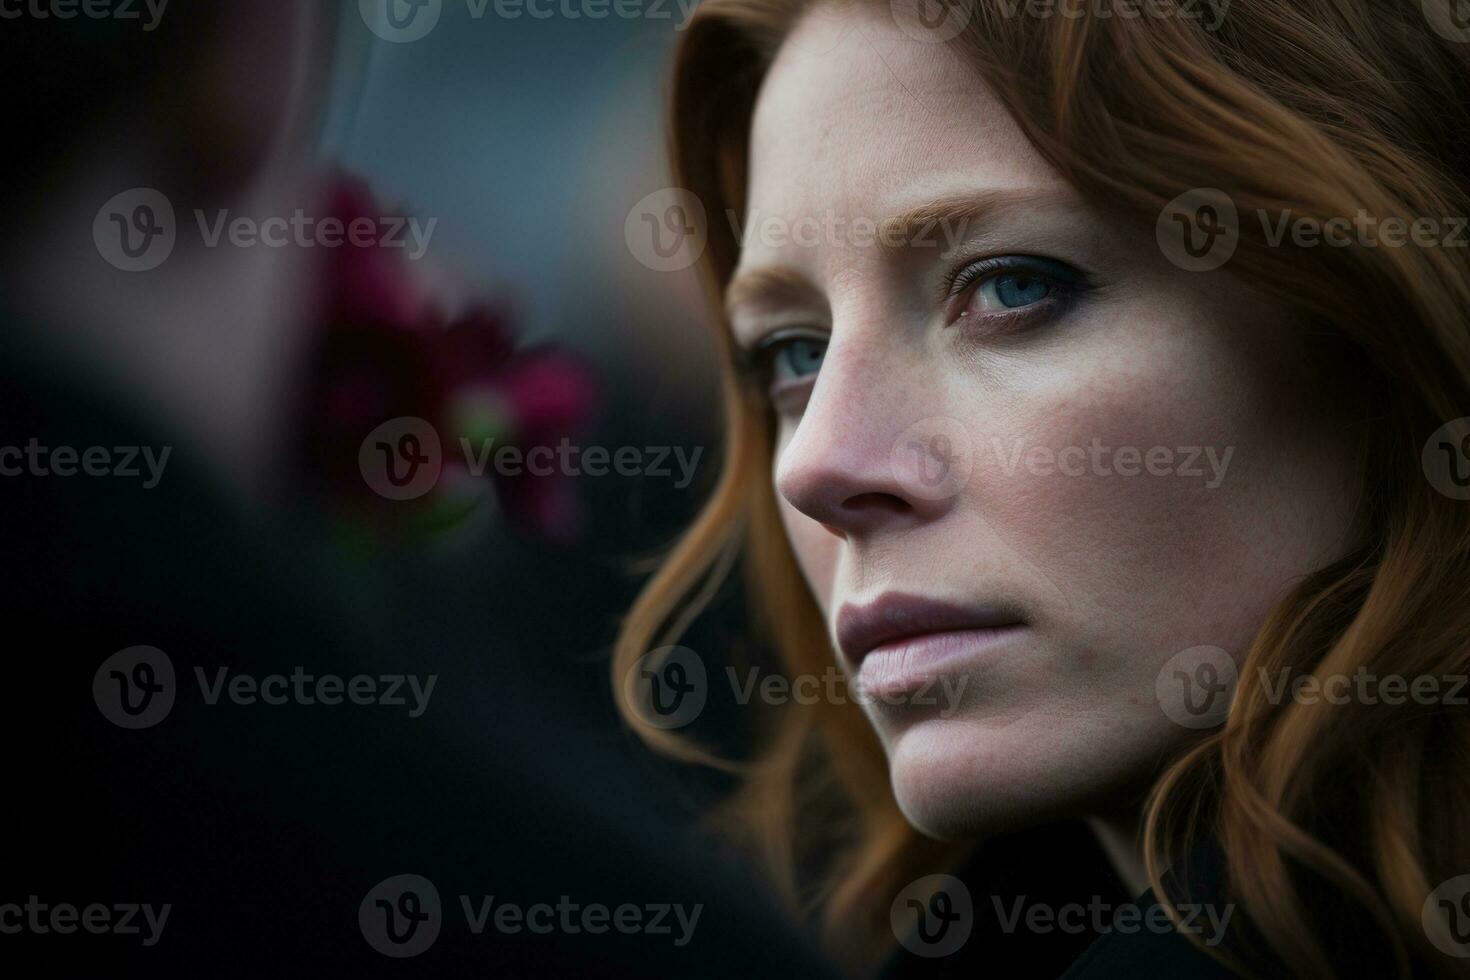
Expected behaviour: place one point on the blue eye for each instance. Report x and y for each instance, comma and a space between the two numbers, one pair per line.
796, 358
1003, 286
1013, 290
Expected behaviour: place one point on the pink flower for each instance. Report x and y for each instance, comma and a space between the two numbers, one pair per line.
385, 351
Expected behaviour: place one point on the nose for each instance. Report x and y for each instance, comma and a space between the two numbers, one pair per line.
843, 465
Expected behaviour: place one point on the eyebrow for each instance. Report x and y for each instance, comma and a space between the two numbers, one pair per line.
768, 284
931, 221
899, 230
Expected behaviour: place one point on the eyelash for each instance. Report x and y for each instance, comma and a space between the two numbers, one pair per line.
1067, 283
757, 364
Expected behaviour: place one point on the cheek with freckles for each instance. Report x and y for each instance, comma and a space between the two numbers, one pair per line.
1167, 475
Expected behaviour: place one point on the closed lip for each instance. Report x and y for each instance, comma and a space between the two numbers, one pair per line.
895, 617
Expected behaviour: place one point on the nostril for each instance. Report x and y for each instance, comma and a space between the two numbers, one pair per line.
882, 502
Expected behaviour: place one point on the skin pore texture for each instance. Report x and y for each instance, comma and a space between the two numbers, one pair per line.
1080, 344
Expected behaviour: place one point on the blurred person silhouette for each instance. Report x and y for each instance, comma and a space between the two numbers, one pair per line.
220, 765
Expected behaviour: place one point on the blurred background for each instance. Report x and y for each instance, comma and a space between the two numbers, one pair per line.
161, 309
532, 139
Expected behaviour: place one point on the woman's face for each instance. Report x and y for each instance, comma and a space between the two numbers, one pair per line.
1023, 460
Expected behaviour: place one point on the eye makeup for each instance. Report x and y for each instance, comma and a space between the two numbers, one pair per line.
992, 296
784, 363
1011, 292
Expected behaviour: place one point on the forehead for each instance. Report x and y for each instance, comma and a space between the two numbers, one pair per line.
858, 118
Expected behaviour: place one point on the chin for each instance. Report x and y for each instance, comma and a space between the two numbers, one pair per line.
958, 778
